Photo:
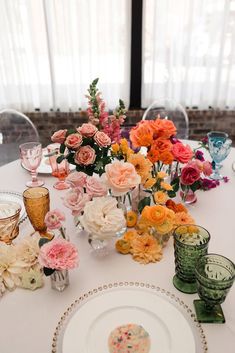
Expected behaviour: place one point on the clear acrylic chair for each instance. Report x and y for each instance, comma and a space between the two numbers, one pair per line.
15, 129
169, 109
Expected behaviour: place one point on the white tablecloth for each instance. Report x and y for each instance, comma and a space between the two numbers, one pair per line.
28, 319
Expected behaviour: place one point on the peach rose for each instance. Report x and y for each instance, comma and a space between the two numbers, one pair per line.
87, 130
59, 136
182, 153
85, 155
207, 168
121, 177
75, 200
73, 141
102, 139
78, 179
95, 188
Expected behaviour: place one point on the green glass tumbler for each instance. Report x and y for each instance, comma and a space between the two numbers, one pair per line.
190, 243
215, 275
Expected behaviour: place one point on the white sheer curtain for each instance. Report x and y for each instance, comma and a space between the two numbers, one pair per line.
189, 52
51, 50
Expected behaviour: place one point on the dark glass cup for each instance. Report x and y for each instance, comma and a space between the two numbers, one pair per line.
190, 243
215, 275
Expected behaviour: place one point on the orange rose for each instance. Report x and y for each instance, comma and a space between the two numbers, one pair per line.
162, 145
166, 157
165, 128
153, 155
142, 134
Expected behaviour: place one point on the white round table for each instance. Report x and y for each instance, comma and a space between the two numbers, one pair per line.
28, 318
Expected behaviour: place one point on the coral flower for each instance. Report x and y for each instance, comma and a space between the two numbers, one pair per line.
166, 157
142, 134
183, 218
145, 249
153, 155
162, 145
142, 165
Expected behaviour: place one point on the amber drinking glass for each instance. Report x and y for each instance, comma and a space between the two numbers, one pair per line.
59, 170
37, 204
9, 218
190, 242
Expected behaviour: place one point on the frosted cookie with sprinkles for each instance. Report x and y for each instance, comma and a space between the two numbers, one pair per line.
130, 338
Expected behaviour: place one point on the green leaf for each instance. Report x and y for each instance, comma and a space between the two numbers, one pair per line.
48, 271
62, 148
70, 158
171, 193
175, 184
95, 81
60, 159
144, 202
183, 187
70, 131
43, 241
195, 186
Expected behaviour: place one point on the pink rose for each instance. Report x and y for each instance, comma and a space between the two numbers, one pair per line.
87, 130
75, 200
102, 139
182, 153
189, 174
207, 168
78, 179
73, 141
121, 177
95, 188
59, 136
58, 254
53, 219
85, 155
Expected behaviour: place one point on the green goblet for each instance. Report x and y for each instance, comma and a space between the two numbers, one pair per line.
215, 275
190, 242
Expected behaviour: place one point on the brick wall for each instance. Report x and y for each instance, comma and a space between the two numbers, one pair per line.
200, 122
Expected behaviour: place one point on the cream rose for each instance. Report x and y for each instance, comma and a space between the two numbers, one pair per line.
121, 177
75, 200
95, 187
102, 218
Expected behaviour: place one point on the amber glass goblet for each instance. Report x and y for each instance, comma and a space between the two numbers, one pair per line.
215, 275
37, 204
9, 218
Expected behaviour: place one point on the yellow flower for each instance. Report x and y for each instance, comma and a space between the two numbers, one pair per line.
130, 235
171, 215
193, 229
145, 249
115, 148
123, 246
143, 225
31, 279
155, 214
181, 230
149, 183
124, 146
165, 227
166, 186
161, 175
183, 218
142, 165
160, 197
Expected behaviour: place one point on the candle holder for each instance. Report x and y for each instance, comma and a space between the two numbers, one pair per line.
190, 243
215, 275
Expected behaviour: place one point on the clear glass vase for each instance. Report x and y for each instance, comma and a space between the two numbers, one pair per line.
60, 280
99, 246
188, 196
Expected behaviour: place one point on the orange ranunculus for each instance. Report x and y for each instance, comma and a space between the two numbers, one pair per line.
130, 235
171, 215
155, 214
143, 225
131, 218
165, 227
145, 249
160, 197
171, 204
176, 207
183, 218
142, 134
123, 246
166, 157
153, 155
162, 145
164, 128
142, 165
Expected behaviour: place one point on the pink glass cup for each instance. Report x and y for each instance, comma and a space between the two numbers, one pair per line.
31, 156
59, 170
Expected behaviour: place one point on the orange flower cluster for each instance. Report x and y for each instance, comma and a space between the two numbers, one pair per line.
181, 213
161, 218
121, 150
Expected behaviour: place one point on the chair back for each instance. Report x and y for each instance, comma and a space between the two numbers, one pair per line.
15, 129
169, 109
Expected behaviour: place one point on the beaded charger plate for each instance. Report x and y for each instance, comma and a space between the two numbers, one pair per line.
171, 324
14, 196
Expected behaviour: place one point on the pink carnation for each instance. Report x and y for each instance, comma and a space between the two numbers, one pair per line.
85, 155
87, 130
73, 141
78, 179
59, 136
182, 153
58, 254
53, 219
75, 200
95, 188
102, 139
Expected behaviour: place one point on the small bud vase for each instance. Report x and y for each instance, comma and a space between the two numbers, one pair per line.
60, 280
188, 196
99, 246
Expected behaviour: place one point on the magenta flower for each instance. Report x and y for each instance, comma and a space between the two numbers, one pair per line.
199, 155
58, 254
53, 219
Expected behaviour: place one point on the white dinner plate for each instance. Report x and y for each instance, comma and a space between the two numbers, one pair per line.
14, 196
89, 328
